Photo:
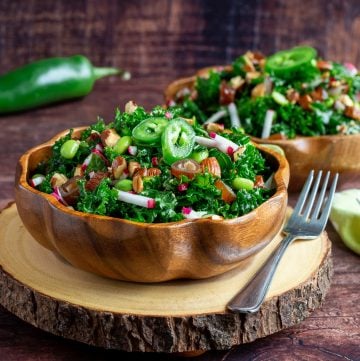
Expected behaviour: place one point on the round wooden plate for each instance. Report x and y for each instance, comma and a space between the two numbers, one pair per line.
179, 316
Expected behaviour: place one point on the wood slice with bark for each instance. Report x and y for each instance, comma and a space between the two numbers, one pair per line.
178, 316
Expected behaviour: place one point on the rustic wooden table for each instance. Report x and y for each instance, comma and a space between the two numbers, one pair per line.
331, 333
158, 41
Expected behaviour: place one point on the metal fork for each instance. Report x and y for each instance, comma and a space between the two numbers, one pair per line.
307, 221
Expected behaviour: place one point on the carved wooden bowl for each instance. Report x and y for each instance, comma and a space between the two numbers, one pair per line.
132, 251
337, 153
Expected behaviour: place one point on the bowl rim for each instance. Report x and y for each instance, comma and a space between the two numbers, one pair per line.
192, 78
22, 181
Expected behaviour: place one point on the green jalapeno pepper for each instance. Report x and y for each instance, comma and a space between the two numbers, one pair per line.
149, 131
223, 159
286, 63
48, 81
177, 140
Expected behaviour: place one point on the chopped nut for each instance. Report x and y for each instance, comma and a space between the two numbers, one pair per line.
188, 165
227, 194
238, 152
255, 57
259, 182
292, 95
319, 94
352, 112
305, 101
142, 172
346, 100
109, 137
251, 75
190, 121
78, 171
324, 65
227, 93
118, 166
130, 107
133, 167
334, 83
137, 183
249, 66
94, 181
214, 127
152, 172
211, 165
237, 82
58, 180
258, 90
70, 191
94, 136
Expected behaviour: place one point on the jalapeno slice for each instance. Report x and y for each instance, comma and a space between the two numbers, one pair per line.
149, 131
287, 62
177, 140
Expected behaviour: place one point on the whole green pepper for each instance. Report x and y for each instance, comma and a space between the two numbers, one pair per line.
49, 81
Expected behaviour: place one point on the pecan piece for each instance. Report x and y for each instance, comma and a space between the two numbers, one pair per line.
118, 167
109, 137
95, 180
133, 167
58, 180
227, 93
211, 165
137, 183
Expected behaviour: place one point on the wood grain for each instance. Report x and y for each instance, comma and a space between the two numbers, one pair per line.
148, 252
177, 316
159, 41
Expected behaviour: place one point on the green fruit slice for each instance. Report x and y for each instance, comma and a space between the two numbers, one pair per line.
345, 216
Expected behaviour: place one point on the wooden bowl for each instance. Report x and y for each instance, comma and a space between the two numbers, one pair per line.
336, 153
141, 252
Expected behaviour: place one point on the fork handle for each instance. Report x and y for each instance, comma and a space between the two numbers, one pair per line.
250, 298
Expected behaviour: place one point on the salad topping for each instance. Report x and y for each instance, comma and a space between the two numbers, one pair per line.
155, 167
292, 92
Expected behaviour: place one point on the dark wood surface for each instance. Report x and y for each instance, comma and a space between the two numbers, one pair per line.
158, 41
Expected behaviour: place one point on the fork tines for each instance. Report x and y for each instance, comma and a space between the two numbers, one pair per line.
305, 206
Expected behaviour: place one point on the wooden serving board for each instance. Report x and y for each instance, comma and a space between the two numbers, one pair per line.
179, 316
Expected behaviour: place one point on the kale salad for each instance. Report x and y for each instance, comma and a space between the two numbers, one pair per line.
292, 92
155, 167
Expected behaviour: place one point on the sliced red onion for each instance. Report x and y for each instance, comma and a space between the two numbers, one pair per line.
132, 149
186, 210
35, 181
136, 199
234, 116
86, 162
124, 174
223, 144
100, 154
58, 196
99, 147
189, 213
269, 184
216, 116
206, 142
351, 68
182, 187
170, 103
168, 115
151, 203
338, 105
269, 118
230, 151
155, 161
